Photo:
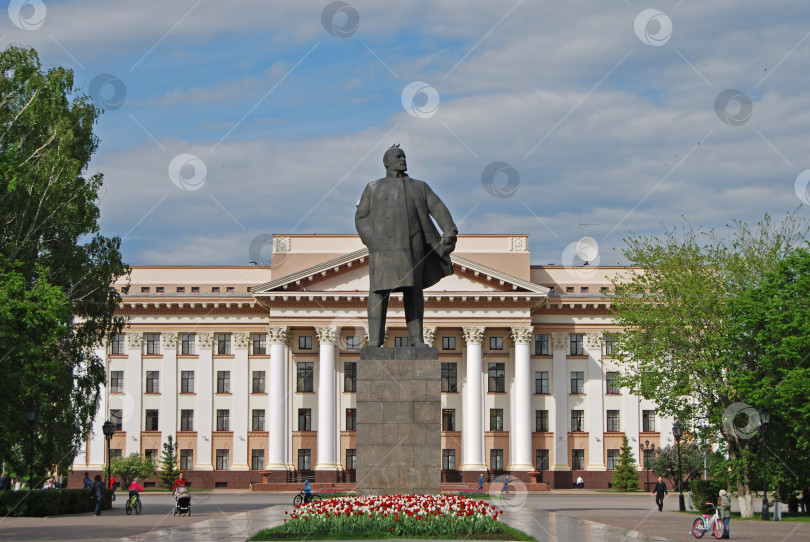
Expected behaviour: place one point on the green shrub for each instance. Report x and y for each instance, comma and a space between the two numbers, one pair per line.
704, 491
50, 502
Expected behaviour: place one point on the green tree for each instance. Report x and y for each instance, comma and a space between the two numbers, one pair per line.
625, 477
676, 346
56, 270
169, 471
132, 466
665, 462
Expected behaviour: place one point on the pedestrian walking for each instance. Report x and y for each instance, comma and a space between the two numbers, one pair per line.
580, 482
97, 491
659, 492
481, 482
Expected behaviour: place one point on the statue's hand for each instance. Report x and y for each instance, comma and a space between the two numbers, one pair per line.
447, 244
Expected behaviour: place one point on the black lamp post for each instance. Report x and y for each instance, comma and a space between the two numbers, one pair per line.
651, 447
764, 418
108, 428
31, 414
677, 432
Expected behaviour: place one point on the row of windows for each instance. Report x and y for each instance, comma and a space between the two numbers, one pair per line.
179, 289
541, 420
541, 459
259, 343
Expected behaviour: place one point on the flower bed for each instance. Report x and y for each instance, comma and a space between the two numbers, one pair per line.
428, 516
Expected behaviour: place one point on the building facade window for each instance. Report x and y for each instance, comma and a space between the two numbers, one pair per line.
610, 344
118, 344
152, 381
305, 419
541, 344
257, 382
260, 347
223, 419
223, 457
448, 343
350, 376
186, 459
496, 343
448, 419
400, 342
186, 381
352, 342
116, 381
117, 417
449, 459
351, 419
577, 348
187, 344
577, 420
613, 420
351, 459
257, 459
152, 344
223, 343
496, 459
186, 419
115, 453
612, 382
541, 421
257, 420
577, 459
223, 382
496, 419
648, 420
151, 420
577, 382
497, 379
541, 459
541, 382
449, 377
306, 376
612, 459
304, 459
649, 458
150, 454
305, 342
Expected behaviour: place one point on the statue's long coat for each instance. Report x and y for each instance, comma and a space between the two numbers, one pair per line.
393, 220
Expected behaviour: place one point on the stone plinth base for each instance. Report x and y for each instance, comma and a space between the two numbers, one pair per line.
399, 421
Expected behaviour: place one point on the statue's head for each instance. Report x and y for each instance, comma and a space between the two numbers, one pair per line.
394, 159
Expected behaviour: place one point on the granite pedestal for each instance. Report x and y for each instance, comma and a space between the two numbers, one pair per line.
399, 421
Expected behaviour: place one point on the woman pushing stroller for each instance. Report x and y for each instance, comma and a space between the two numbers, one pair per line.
182, 497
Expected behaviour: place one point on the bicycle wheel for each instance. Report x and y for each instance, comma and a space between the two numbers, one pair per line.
698, 528
298, 500
138, 507
315, 498
719, 529
128, 507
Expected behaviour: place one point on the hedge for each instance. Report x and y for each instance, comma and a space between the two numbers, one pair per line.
50, 502
704, 491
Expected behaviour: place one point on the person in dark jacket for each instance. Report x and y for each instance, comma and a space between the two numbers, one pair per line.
97, 490
659, 492
87, 481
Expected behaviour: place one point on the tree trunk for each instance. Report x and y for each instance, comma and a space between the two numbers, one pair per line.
746, 500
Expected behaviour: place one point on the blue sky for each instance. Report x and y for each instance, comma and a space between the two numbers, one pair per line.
605, 110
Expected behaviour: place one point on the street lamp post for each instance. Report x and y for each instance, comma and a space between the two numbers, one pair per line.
108, 428
651, 448
31, 414
677, 432
764, 418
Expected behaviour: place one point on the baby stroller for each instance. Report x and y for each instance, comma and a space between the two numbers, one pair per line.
182, 502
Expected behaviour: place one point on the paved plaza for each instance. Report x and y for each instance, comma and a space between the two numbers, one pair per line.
581, 516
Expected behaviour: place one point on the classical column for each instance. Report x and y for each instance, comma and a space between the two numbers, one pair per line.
595, 396
559, 368
520, 456
241, 391
204, 411
277, 415
133, 389
168, 386
472, 450
326, 466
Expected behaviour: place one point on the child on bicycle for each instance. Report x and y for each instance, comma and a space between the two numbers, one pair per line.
307, 491
134, 488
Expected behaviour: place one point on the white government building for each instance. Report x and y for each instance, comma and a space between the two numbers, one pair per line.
252, 369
